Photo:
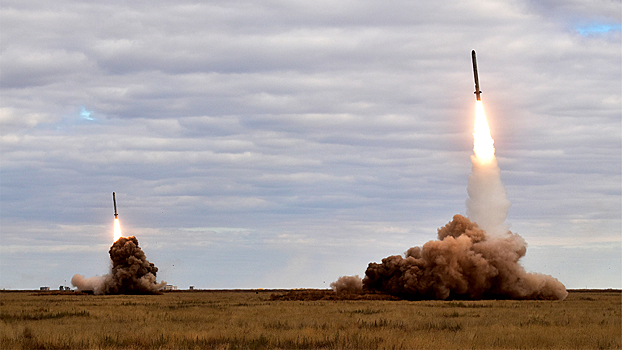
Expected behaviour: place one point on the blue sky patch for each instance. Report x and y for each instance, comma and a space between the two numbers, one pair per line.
598, 28
86, 114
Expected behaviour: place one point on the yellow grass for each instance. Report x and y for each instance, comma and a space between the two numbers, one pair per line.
250, 320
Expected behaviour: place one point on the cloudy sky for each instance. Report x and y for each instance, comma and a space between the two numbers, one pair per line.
282, 144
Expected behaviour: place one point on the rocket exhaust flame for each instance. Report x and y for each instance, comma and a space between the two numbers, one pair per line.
483, 144
117, 230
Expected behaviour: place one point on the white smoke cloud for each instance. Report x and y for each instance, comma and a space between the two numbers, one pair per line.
487, 204
95, 283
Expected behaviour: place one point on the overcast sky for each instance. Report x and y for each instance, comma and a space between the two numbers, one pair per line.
282, 144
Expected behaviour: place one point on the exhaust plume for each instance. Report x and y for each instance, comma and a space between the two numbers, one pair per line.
131, 272
487, 204
475, 257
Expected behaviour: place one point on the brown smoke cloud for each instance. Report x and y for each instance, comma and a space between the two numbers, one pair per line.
464, 263
131, 272
347, 284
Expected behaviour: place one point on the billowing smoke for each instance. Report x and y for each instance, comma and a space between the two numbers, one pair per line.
131, 272
348, 284
464, 263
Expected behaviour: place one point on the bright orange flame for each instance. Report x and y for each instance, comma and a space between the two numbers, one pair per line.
483, 144
117, 229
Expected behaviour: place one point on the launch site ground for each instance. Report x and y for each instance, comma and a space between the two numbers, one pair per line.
283, 319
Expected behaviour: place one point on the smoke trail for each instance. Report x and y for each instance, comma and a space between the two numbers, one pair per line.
487, 204
131, 272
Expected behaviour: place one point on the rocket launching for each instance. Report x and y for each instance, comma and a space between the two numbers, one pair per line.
474, 257
131, 272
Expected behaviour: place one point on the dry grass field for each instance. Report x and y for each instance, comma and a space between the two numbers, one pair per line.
253, 320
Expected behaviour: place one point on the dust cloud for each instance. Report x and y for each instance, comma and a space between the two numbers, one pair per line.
347, 284
464, 263
131, 272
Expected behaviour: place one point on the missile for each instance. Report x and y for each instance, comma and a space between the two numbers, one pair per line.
475, 75
114, 201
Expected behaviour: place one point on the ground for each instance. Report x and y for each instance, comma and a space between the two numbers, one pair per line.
263, 319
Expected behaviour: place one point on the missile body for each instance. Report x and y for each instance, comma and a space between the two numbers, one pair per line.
475, 75
114, 201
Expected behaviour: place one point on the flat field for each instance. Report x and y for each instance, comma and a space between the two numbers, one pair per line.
253, 320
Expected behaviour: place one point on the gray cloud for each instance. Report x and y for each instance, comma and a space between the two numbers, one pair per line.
331, 122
